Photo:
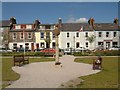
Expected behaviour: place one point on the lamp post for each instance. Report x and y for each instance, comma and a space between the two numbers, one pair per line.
24, 39
57, 33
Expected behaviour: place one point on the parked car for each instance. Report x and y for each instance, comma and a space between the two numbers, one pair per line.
38, 50
68, 50
3, 49
80, 49
22, 50
98, 48
114, 48
48, 50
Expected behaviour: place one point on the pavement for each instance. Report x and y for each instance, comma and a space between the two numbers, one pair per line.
47, 75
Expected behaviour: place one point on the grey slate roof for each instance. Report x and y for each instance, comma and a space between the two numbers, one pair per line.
5, 23
86, 26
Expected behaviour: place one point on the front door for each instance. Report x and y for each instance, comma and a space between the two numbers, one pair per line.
107, 45
32, 46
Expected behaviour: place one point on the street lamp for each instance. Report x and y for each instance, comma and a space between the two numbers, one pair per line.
24, 39
57, 33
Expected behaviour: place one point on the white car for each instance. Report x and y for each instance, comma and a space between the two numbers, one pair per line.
114, 48
5, 50
81, 49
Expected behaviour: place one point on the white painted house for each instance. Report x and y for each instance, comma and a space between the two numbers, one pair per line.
72, 35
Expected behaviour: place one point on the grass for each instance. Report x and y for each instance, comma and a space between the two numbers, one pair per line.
9, 75
107, 78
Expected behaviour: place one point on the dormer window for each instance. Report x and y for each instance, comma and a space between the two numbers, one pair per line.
41, 27
28, 26
47, 27
17, 27
111, 25
52, 27
99, 25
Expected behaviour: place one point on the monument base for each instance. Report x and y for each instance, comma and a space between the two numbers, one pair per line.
58, 64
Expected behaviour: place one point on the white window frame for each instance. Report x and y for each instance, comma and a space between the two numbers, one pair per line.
114, 34
86, 44
29, 34
77, 34
68, 34
14, 35
86, 34
99, 34
68, 44
41, 35
108, 34
21, 35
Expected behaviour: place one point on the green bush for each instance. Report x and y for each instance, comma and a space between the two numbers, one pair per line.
107, 53
77, 54
22, 53
39, 54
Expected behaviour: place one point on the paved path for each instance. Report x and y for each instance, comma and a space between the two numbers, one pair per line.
47, 75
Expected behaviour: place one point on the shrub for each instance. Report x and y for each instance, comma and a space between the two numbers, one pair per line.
39, 54
21, 53
107, 53
77, 54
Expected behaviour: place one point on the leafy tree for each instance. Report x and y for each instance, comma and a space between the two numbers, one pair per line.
47, 39
91, 39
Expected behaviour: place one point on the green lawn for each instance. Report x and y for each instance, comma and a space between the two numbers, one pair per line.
107, 78
9, 75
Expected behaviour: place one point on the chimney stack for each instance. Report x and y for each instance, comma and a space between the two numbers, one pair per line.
12, 21
91, 22
116, 21
59, 21
36, 24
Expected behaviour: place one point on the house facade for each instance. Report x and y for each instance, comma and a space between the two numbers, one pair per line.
45, 37
107, 35
72, 35
22, 36
4, 32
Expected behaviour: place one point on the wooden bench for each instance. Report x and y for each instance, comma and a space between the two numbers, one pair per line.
21, 60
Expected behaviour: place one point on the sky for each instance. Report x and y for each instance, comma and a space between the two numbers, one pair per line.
70, 12
60, 0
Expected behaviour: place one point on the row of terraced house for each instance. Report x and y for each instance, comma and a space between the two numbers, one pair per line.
72, 35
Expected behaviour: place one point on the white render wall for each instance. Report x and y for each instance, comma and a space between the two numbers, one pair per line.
103, 38
63, 39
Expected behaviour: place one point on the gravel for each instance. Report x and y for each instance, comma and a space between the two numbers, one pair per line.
47, 75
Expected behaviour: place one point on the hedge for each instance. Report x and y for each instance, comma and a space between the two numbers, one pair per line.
80, 54
107, 53
99, 53
22, 53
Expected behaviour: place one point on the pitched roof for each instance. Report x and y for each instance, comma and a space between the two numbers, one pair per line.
5, 23
86, 26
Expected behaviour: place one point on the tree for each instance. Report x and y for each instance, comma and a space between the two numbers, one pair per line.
91, 39
47, 39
